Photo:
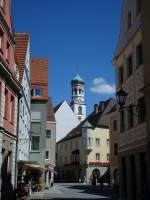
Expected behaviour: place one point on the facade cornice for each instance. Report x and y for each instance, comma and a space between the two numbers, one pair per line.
7, 29
5, 132
11, 80
125, 46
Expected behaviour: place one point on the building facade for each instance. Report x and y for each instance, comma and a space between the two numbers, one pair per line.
113, 135
23, 60
145, 7
128, 60
63, 114
50, 146
10, 90
84, 153
42, 126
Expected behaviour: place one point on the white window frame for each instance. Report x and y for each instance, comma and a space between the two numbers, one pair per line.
35, 150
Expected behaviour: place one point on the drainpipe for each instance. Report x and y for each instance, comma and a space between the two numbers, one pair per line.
16, 165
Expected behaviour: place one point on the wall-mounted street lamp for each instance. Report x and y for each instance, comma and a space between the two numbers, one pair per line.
121, 97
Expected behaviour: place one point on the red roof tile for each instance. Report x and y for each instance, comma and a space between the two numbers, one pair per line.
22, 40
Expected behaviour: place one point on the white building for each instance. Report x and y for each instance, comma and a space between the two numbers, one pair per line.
65, 118
23, 61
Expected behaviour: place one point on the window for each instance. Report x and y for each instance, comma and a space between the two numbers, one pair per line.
80, 110
122, 123
9, 161
75, 90
129, 22
6, 104
35, 143
121, 75
98, 156
138, 7
130, 117
139, 55
48, 133
46, 154
7, 51
108, 157
89, 141
80, 91
11, 113
115, 125
141, 110
129, 66
37, 92
97, 141
107, 142
116, 149
35, 116
1, 39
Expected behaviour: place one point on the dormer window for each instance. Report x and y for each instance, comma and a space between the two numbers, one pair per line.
129, 20
36, 92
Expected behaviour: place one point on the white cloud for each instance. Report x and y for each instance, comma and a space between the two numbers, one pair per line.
101, 86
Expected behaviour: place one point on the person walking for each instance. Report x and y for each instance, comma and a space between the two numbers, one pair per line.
102, 183
33, 185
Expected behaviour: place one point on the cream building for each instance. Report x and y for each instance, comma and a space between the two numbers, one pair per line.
84, 152
128, 61
113, 135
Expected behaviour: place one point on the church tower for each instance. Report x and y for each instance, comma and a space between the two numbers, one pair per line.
77, 104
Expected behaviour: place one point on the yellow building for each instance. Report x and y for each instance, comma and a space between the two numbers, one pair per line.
113, 135
84, 152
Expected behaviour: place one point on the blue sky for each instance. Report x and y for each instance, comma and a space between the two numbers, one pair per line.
73, 33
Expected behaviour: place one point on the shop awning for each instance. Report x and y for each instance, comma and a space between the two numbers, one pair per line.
26, 164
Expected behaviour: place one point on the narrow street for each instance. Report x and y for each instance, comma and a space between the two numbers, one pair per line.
75, 191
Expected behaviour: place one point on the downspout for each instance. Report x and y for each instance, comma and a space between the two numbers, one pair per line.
16, 153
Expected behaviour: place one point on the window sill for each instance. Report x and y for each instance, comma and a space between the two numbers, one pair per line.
35, 151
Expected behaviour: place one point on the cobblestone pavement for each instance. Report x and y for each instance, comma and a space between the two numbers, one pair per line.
72, 191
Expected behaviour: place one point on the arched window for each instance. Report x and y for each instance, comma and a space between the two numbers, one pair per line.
75, 90
80, 110
80, 91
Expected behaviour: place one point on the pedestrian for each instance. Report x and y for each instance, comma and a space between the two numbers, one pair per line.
33, 185
101, 182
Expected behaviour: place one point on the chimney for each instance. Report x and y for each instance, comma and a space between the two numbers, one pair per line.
101, 105
96, 110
